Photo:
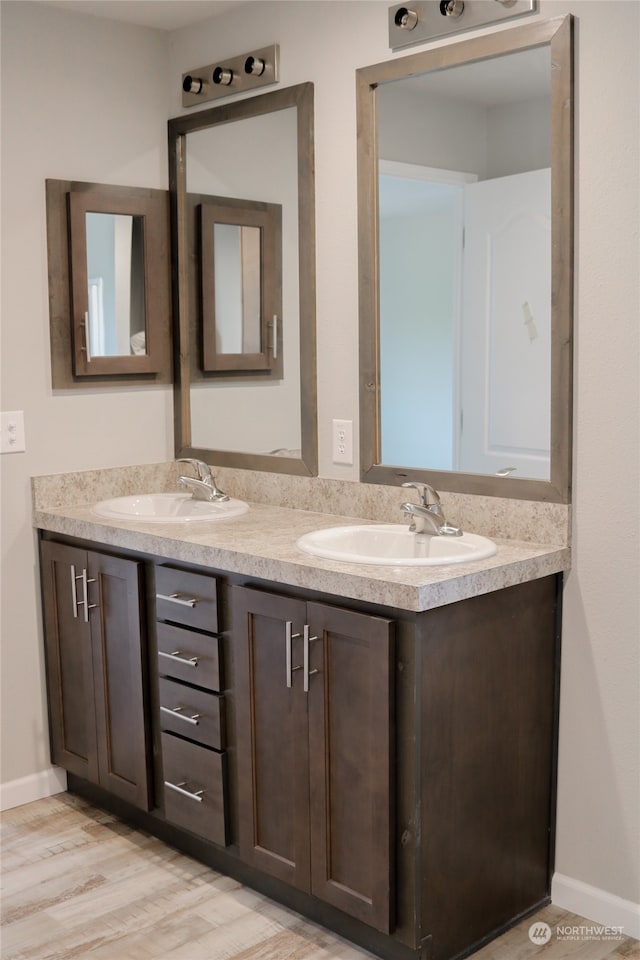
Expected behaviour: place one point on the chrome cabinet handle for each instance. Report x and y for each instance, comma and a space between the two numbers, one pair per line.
179, 788
85, 594
177, 656
176, 712
74, 592
176, 598
274, 349
307, 673
288, 637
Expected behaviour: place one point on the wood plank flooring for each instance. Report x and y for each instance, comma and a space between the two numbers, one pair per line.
78, 883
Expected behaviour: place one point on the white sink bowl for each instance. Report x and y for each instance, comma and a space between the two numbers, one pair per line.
393, 544
168, 508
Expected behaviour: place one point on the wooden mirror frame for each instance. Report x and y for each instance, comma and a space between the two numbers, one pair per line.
267, 218
557, 34
67, 201
301, 97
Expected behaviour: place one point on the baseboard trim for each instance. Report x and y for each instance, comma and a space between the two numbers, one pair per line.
595, 904
36, 786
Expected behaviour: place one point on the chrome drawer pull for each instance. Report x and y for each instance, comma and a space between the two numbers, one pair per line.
179, 788
176, 712
176, 598
177, 656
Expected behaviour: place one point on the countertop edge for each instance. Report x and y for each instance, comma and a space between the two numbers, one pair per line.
266, 551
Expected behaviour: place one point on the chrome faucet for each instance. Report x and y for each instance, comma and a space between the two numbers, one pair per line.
427, 516
202, 487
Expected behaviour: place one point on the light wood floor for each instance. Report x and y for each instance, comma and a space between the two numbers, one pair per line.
78, 883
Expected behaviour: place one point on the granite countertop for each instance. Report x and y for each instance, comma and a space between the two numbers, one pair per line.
262, 544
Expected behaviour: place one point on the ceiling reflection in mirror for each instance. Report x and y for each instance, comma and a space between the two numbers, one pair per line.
468, 165
223, 413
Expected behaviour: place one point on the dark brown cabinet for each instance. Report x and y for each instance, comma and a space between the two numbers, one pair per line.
393, 778
314, 757
95, 668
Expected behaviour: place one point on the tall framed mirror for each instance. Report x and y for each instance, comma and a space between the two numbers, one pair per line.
465, 180
245, 390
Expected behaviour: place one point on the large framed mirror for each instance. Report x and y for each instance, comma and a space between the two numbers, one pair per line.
245, 395
109, 284
465, 180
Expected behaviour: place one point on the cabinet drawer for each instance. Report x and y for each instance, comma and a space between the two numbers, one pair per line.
189, 656
192, 713
195, 788
187, 598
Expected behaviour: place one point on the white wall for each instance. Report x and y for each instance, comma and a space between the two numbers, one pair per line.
82, 99
599, 797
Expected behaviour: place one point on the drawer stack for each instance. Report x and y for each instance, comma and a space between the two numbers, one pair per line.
192, 711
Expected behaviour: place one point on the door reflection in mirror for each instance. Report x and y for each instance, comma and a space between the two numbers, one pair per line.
238, 307
464, 253
116, 295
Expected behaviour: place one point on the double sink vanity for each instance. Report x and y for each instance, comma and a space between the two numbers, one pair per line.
339, 695
372, 744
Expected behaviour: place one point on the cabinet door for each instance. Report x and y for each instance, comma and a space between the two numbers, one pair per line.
69, 662
350, 750
115, 616
272, 746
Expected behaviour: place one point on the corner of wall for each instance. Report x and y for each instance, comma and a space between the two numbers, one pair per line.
603, 908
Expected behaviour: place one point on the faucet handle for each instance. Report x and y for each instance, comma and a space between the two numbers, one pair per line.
427, 494
202, 469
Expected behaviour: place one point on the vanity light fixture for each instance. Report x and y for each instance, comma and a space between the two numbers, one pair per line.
426, 20
451, 8
223, 76
255, 66
233, 75
193, 85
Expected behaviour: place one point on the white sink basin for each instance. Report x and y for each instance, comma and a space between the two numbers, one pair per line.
167, 508
394, 545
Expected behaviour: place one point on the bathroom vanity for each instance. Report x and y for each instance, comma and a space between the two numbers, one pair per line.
374, 747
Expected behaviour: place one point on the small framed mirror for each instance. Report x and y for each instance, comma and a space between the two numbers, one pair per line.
109, 284
241, 273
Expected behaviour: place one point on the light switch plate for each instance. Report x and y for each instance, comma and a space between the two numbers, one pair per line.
12, 439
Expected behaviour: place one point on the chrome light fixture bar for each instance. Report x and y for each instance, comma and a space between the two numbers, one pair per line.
423, 20
232, 75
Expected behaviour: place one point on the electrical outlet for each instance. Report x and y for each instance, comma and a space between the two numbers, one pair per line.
12, 432
343, 441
